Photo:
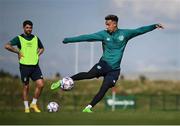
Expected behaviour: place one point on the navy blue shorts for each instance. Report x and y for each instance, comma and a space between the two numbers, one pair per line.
30, 71
110, 75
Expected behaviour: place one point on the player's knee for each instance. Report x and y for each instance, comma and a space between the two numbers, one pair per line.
40, 84
26, 87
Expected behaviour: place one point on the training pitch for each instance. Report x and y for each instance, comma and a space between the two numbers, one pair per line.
103, 118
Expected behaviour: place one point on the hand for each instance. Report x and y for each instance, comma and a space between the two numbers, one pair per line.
159, 26
64, 41
20, 55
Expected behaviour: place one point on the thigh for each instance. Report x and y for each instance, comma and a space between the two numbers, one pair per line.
25, 74
96, 70
39, 82
101, 68
36, 73
111, 78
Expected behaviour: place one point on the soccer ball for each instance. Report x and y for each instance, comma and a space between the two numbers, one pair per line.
67, 83
53, 107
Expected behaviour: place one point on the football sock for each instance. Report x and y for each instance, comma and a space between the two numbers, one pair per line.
34, 101
26, 104
89, 106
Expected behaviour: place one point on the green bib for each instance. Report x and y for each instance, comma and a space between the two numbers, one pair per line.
29, 50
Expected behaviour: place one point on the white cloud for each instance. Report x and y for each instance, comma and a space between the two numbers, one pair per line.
163, 11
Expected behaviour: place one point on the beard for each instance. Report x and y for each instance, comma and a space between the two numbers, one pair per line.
28, 32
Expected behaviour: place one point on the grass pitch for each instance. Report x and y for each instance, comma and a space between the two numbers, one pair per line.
103, 118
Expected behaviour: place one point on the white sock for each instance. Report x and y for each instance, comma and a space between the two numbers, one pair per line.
34, 101
26, 104
89, 106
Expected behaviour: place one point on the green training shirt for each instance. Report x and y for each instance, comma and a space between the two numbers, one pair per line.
113, 44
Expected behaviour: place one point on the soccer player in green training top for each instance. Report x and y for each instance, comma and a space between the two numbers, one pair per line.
29, 50
114, 41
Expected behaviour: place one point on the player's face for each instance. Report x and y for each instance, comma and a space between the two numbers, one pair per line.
27, 29
111, 26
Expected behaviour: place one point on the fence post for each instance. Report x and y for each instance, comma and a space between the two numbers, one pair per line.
151, 101
164, 102
177, 102
12, 102
43, 102
75, 101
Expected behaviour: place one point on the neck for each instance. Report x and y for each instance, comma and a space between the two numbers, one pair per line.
27, 34
115, 29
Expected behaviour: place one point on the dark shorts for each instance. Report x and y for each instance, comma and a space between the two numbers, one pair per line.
28, 71
103, 69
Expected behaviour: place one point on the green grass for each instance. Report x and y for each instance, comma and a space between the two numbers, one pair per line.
103, 118
72, 103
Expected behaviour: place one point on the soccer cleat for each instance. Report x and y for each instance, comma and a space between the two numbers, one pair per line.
27, 110
87, 110
56, 85
35, 108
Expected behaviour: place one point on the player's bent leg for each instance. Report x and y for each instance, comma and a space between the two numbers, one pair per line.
94, 72
80, 76
39, 88
37, 93
108, 82
25, 91
104, 88
25, 97
83, 75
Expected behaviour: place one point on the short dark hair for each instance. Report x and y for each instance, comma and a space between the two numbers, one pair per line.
111, 17
27, 22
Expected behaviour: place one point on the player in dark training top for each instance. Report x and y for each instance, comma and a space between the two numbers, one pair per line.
114, 41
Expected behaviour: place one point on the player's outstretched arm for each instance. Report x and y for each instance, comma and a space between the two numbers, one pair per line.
83, 38
142, 30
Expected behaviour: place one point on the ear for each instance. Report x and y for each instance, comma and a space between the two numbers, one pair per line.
115, 24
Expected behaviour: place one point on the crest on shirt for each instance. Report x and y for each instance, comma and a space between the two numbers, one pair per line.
99, 67
121, 37
108, 39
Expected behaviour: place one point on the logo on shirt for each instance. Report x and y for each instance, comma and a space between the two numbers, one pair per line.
99, 67
29, 44
121, 37
114, 81
108, 39
25, 79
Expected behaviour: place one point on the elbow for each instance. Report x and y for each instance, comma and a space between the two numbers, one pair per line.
42, 49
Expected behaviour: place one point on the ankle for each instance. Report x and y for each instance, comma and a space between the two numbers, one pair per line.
26, 105
88, 106
34, 101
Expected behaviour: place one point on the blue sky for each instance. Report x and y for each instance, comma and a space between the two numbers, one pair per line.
157, 51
